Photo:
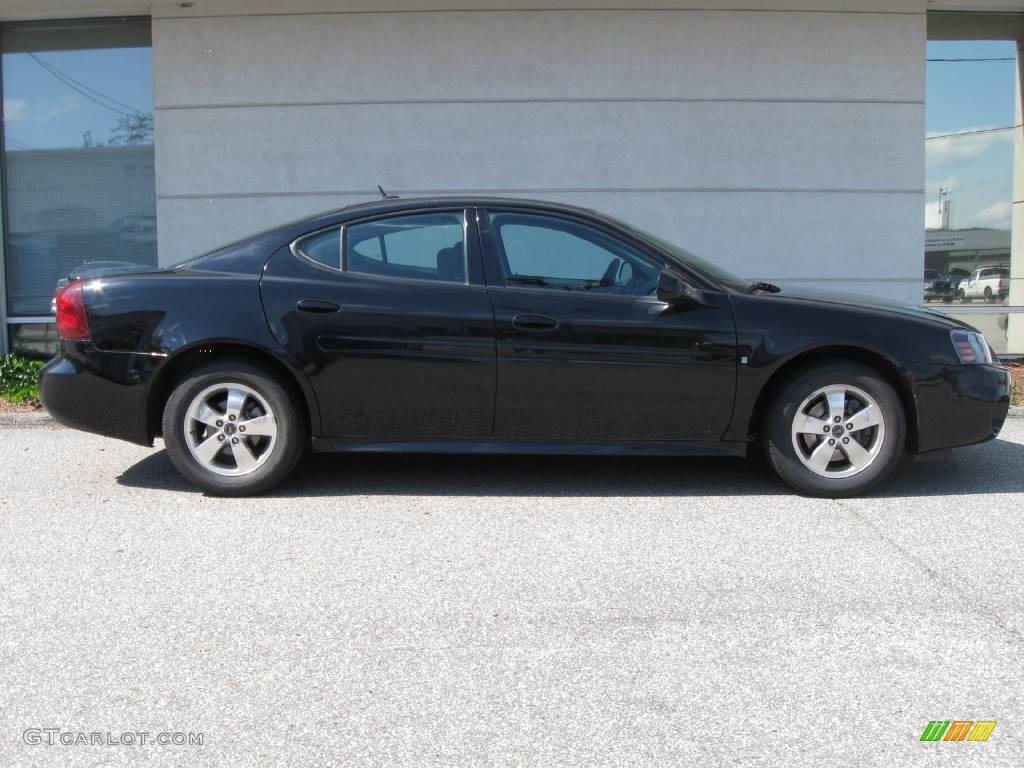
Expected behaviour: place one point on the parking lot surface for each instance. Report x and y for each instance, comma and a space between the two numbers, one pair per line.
436, 611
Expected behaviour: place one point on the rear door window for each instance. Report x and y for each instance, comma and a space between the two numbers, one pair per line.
421, 246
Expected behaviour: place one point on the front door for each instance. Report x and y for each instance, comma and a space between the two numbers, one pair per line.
585, 349
391, 321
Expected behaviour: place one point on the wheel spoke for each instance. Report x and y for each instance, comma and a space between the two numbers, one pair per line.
804, 423
243, 454
836, 404
265, 426
856, 453
209, 448
207, 415
236, 400
865, 427
821, 456
241, 434
864, 418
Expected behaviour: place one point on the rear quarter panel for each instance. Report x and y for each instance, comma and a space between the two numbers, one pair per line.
143, 323
164, 312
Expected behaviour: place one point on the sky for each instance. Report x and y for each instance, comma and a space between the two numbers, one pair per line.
966, 96
42, 112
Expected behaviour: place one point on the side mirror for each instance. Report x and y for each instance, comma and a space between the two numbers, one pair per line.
674, 290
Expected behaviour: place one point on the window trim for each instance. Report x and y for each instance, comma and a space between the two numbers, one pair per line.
296, 246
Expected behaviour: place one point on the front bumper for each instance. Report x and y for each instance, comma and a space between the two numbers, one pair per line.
101, 392
938, 292
958, 404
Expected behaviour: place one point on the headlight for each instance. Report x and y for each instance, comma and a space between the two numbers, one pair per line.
971, 347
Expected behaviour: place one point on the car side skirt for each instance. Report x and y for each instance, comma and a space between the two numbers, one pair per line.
536, 447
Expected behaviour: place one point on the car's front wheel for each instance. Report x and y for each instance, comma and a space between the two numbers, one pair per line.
835, 430
232, 429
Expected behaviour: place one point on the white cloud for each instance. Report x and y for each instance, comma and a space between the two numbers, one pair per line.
978, 169
39, 110
14, 110
957, 148
995, 216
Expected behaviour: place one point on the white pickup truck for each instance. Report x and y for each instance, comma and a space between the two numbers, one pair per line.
988, 283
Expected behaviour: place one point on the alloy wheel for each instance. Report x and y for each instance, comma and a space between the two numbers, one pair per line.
230, 429
838, 431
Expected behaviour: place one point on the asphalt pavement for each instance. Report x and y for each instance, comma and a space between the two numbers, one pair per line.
494, 611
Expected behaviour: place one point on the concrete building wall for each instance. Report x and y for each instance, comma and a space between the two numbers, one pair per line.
781, 138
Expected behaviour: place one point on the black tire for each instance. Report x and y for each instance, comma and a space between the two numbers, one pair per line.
988, 295
962, 295
290, 441
779, 438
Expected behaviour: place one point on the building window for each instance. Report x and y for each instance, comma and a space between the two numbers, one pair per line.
78, 157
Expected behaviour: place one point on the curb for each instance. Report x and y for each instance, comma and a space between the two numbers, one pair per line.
1016, 412
17, 420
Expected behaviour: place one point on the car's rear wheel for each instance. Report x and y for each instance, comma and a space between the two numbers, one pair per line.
989, 298
962, 295
232, 429
835, 430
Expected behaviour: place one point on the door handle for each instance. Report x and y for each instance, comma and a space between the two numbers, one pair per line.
534, 322
317, 306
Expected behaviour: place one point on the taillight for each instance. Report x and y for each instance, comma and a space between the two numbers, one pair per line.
72, 324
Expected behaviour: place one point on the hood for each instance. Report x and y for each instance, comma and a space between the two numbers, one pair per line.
865, 301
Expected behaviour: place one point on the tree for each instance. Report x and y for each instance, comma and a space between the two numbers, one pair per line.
136, 128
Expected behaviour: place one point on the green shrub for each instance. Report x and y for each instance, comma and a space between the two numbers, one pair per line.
19, 379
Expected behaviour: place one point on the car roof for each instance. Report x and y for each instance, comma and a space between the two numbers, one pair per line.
420, 202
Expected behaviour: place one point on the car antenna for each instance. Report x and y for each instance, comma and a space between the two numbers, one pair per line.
385, 195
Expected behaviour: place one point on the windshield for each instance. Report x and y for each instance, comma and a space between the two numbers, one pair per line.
706, 268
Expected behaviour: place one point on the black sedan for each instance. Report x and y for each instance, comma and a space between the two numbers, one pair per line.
937, 286
506, 326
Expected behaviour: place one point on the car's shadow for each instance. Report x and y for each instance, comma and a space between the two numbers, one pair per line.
995, 467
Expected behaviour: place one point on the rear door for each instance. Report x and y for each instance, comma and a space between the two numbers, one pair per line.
390, 319
585, 349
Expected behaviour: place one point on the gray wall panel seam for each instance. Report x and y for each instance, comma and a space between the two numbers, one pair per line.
536, 10
543, 190
541, 100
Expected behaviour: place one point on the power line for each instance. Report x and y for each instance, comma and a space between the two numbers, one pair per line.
90, 93
974, 133
68, 79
